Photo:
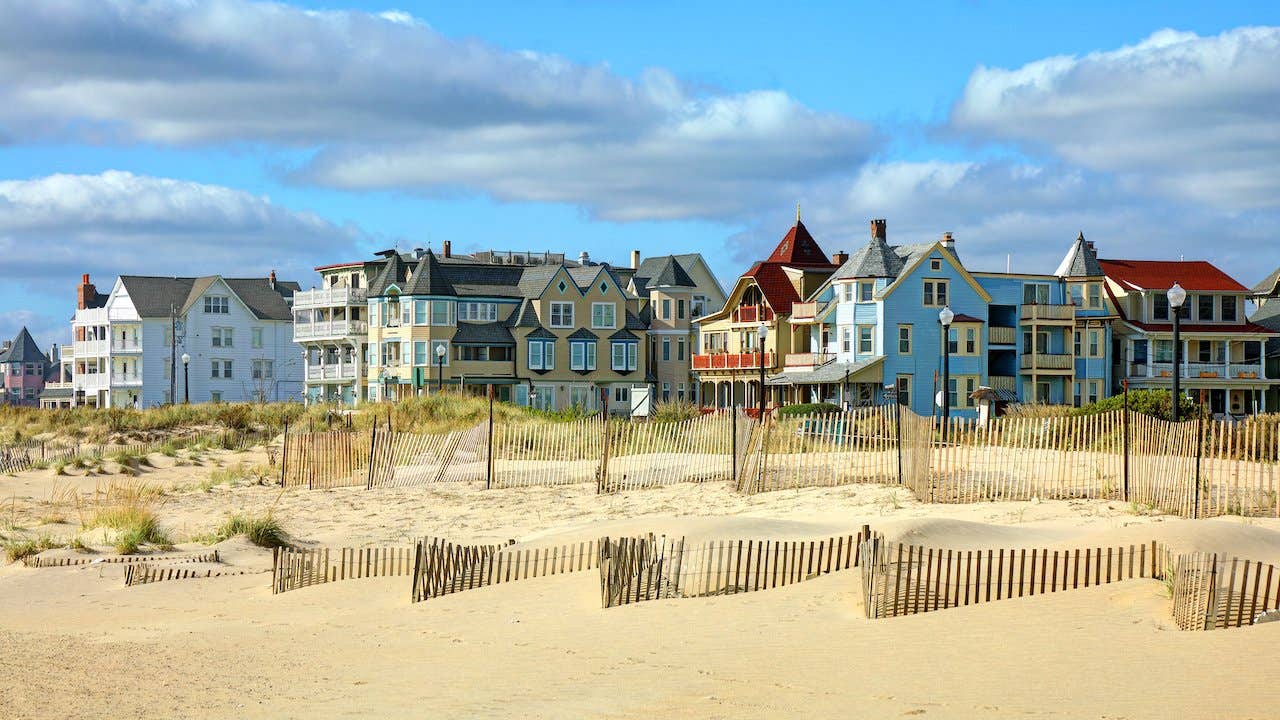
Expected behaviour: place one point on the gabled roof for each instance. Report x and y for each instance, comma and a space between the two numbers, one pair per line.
582, 334
1269, 285
429, 278
634, 322
1080, 261
24, 350
153, 297
876, 259
666, 270
526, 316
917, 255
1192, 275
541, 333
775, 286
798, 248
491, 333
534, 280
395, 271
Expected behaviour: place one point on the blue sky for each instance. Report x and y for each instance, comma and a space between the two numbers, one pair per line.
231, 136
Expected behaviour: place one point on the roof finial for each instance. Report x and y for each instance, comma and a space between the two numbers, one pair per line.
797, 213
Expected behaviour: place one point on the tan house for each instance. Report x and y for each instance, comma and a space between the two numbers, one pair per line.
730, 353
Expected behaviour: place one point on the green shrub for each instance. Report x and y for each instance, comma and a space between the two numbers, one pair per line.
808, 409
1154, 402
261, 530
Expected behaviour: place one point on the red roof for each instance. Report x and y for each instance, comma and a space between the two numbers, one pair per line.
962, 318
800, 249
1245, 327
1162, 274
774, 285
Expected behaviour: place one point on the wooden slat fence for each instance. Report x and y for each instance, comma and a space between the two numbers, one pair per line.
35, 561
1240, 472
442, 567
1211, 593
415, 459
637, 569
826, 449
146, 573
900, 579
294, 568
527, 453
338, 458
651, 454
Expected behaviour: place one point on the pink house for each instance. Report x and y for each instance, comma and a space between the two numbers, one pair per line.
23, 368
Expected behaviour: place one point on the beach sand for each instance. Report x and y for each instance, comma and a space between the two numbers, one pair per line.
74, 642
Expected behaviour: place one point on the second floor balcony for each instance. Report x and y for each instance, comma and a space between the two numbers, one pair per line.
1253, 370
732, 361
125, 345
1048, 362
92, 348
91, 382
751, 313
344, 371
126, 379
1002, 335
330, 297
809, 359
330, 330
1048, 313
1004, 382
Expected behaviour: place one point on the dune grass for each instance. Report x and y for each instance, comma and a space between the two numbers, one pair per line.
261, 530
128, 507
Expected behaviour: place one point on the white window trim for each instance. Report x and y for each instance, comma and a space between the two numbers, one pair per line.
613, 307
551, 313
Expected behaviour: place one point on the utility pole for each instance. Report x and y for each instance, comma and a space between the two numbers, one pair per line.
173, 353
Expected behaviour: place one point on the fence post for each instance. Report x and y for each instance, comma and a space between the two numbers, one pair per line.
897, 422
1211, 604
373, 444
733, 431
603, 470
1195, 512
488, 464
284, 451
1125, 383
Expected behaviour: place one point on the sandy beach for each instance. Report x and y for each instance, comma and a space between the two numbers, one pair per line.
78, 643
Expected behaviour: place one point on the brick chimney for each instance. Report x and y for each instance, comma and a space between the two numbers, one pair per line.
635, 259
86, 293
878, 231
448, 248
841, 257
948, 242
271, 279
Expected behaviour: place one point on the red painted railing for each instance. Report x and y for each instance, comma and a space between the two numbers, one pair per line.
731, 361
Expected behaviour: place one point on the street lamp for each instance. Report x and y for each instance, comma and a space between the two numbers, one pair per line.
764, 334
533, 399
186, 379
1177, 296
440, 351
944, 318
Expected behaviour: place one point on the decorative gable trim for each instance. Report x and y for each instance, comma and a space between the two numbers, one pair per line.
948, 258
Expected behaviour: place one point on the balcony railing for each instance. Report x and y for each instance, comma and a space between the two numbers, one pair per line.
1047, 361
91, 316
329, 329
331, 372
1004, 382
125, 346
125, 379
752, 313
1002, 335
731, 361
809, 359
330, 297
803, 311
1209, 371
1049, 313
92, 348
91, 381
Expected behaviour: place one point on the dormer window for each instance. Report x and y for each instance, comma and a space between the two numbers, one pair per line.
935, 264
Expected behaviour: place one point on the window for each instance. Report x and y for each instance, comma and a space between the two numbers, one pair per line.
604, 316
478, 311
436, 357
679, 309
1164, 351
542, 354
1093, 344
666, 308
1076, 343
580, 396
1077, 295
1095, 391
970, 385
904, 339
221, 337
216, 305
1035, 293
1078, 396
419, 312
666, 349
214, 396
935, 293
935, 264
1038, 343
680, 349
1160, 309
255, 337
582, 355
845, 341
904, 390
543, 397
561, 314
263, 369
420, 352
406, 313
623, 356
970, 341
864, 291
666, 391
1042, 392
1095, 296
1229, 308
1205, 303
953, 340
680, 392
864, 340
441, 312
622, 395
220, 368
848, 292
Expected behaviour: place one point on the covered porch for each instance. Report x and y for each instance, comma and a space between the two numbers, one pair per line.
846, 384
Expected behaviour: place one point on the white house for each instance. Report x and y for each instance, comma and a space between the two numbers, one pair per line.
236, 335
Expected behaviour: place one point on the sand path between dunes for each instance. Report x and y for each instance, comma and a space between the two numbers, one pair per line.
75, 643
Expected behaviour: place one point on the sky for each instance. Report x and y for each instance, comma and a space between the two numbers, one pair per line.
190, 137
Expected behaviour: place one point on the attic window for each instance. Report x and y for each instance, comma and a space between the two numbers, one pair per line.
562, 287
935, 264
604, 288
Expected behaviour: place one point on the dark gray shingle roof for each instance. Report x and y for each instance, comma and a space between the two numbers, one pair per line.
483, 334
153, 297
1080, 261
1268, 284
428, 278
24, 350
665, 270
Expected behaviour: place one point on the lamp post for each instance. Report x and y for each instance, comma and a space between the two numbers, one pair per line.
533, 399
306, 359
186, 379
763, 334
944, 319
440, 351
1177, 296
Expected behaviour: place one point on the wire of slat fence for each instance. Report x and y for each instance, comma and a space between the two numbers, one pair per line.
1212, 593
295, 568
900, 579
652, 454
638, 569
442, 567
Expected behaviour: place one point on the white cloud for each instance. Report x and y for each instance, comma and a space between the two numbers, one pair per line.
1186, 116
391, 103
54, 228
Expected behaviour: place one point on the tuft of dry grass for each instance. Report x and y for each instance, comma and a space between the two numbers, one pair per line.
128, 507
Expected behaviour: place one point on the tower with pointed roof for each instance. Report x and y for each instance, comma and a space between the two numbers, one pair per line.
23, 370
